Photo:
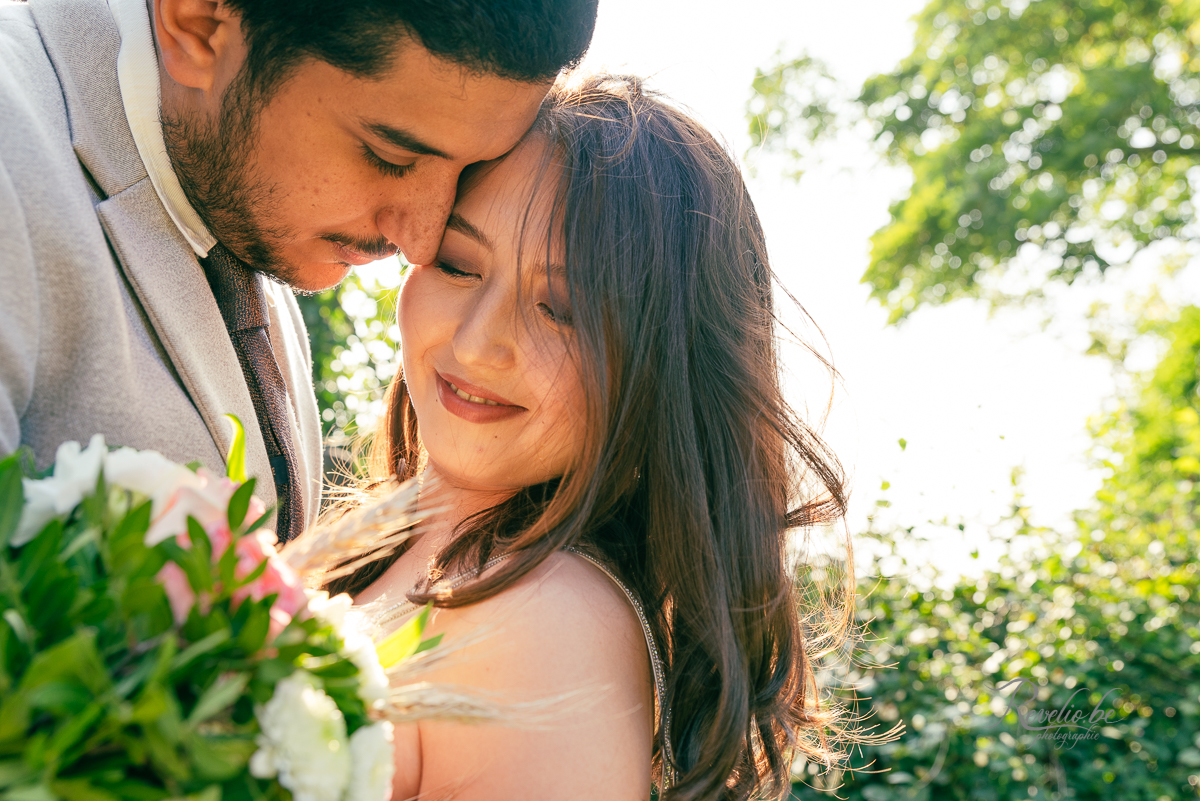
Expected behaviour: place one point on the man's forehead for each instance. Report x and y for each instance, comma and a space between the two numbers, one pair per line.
421, 107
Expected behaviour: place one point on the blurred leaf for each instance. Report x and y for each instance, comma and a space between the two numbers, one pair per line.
219, 696
80, 790
220, 758
11, 498
404, 641
432, 642
199, 648
235, 466
239, 504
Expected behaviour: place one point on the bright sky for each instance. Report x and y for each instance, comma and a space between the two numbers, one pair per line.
973, 397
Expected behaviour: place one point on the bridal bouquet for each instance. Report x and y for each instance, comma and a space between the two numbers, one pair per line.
154, 644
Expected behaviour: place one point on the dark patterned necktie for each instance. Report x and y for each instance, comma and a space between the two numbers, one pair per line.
243, 305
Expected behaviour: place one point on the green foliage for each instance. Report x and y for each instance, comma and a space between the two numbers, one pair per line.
1069, 127
792, 105
1148, 503
1085, 632
1064, 135
1111, 608
351, 329
103, 697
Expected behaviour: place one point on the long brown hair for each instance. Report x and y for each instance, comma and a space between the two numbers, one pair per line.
695, 472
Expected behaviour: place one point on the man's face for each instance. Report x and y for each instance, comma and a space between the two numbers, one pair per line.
333, 171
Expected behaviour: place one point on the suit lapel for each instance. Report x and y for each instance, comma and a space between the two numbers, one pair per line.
172, 288
82, 41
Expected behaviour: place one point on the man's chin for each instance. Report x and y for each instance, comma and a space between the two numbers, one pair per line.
311, 278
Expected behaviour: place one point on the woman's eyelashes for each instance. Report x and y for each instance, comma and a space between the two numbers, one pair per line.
450, 271
551, 310
556, 314
385, 167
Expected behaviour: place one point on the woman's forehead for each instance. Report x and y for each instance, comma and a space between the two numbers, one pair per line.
509, 201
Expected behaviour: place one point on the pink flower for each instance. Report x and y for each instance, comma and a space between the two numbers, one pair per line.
278, 579
204, 497
179, 591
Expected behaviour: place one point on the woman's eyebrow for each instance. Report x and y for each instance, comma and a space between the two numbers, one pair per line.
457, 223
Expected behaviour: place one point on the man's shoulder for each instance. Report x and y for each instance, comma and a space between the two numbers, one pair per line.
33, 114
22, 50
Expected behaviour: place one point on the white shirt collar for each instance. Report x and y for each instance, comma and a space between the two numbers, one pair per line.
138, 76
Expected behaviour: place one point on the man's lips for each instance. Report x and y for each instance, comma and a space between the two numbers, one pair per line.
480, 406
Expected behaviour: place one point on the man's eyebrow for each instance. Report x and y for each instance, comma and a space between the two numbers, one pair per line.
457, 223
403, 140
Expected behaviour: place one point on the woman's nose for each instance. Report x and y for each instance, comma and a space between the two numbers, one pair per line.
486, 336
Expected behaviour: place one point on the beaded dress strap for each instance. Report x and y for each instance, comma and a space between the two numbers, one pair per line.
407, 607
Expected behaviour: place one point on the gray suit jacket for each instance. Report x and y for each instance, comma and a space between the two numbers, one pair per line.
107, 323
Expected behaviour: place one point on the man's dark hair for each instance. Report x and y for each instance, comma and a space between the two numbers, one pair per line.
523, 40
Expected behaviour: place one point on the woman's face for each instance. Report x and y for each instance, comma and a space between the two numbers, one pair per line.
487, 342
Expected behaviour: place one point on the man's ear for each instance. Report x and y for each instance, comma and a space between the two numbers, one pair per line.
196, 38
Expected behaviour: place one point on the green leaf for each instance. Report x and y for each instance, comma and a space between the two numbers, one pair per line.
253, 634
903, 443
260, 521
404, 641
239, 504
19, 627
199, 564
30, 792
235, 466
74, 659
219, 696
126, 548
12, 499
12, 772
14, 717
80, 790
199, 648
432, 642
74, 730
218, 759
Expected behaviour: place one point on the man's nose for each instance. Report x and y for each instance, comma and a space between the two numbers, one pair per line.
416, 219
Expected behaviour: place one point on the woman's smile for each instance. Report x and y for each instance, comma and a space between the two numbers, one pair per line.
482, 408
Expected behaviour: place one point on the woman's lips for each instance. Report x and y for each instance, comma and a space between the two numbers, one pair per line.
492, 410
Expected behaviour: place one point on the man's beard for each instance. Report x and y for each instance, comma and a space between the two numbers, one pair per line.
212, 159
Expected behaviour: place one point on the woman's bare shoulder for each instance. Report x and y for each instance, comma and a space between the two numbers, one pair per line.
565, 643
563, 610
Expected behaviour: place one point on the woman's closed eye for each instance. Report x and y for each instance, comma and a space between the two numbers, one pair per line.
559, 315
451, 271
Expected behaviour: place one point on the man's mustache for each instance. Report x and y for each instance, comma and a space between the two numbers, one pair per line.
379, 248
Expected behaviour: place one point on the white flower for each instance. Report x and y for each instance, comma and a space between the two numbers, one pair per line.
373, 763
303, 741
373, 681
76, 472
149, 473
330, 611
351, 626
